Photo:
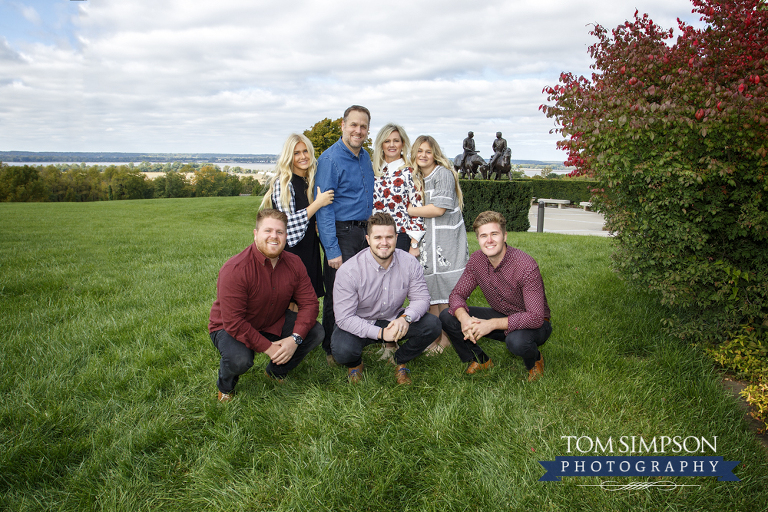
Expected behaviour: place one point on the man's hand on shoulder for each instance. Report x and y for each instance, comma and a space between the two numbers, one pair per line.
335, 262
282, 350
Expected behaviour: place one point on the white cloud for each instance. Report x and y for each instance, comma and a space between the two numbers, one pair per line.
238, 76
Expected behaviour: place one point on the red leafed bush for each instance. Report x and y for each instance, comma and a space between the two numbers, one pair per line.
676, 132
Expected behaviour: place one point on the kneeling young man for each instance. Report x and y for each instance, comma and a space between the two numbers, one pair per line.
368, 296
512, 285
251, 312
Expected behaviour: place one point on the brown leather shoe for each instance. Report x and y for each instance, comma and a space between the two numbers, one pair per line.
474, 366
537, 370
273, 378
355, 374
401, 374
225, 397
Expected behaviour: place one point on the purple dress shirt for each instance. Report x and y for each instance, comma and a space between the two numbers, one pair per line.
364, 292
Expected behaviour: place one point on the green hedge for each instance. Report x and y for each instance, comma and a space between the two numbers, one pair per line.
574, 190
511, 199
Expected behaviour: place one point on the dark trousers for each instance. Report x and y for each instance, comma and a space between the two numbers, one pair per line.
403, 242
351, 241
348, 348
524, 342
236, 358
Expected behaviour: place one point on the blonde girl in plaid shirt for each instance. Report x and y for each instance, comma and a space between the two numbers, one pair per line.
296, 167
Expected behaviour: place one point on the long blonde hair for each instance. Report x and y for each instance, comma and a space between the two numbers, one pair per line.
440, 159
378, 154
284, 170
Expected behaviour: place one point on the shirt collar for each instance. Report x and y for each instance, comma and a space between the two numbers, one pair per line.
370, 260
349, 151
394, 165
507, 257
260, 258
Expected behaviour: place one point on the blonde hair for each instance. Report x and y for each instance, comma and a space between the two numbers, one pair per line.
378, 154
440, 159
284, 170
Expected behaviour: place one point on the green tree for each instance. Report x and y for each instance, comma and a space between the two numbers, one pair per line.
677, 134
126, 182
210, 181
323, 134
21, 184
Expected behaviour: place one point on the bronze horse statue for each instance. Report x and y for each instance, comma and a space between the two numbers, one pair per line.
500, 167
470, 167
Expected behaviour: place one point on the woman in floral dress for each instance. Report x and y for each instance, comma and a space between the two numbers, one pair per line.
394, 193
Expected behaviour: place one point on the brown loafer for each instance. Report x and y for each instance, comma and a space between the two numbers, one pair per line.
225, 397
355, 374
474, 366
537, 370
401, 374
273, 378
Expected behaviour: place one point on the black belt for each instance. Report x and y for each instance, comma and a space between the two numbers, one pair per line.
358, 223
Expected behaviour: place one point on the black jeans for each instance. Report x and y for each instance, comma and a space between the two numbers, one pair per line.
348, 348
236, 358
403, 242
524, 342
351, 238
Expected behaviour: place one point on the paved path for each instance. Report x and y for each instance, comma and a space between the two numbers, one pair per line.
568, 221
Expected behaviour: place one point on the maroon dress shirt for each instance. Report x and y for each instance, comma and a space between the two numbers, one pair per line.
514, 288
251, 296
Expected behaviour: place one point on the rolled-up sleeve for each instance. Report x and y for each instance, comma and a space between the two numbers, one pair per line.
327, 178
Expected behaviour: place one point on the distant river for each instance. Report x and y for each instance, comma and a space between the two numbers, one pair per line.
256, 167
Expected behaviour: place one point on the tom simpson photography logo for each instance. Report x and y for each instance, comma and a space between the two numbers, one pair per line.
663, 456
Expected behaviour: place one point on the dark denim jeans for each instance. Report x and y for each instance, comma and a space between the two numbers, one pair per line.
351, 238
524, 342
236, 358
348, 348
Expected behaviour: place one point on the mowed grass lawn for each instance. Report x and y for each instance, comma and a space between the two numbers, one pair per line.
108, 394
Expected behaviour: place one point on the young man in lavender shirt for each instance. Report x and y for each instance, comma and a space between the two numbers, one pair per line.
369, 292
512, 285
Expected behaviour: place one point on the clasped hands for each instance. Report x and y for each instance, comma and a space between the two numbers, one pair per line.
395, 330
282, 350
475, 328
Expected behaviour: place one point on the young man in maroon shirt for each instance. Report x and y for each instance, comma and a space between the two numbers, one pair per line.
251, 312
512, 285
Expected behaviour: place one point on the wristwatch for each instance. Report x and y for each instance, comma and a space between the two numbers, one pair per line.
298, 339
414, 245
407, 318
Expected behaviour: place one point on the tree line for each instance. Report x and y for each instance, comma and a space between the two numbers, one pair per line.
81, 183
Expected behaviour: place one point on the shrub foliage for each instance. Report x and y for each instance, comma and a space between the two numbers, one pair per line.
676, 132
575, 191
512, 200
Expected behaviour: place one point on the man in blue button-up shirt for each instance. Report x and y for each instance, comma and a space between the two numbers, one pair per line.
371, 288
346, 169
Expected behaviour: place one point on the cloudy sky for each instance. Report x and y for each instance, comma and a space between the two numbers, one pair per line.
237, 76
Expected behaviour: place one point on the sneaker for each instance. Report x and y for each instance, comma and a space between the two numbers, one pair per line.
225, 397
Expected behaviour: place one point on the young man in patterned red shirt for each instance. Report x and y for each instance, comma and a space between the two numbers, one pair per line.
512, 285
